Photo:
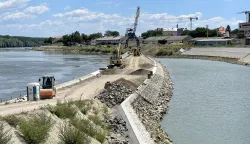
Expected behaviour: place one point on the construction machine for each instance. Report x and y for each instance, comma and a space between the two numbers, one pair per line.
131, 34
47, 89
116, 59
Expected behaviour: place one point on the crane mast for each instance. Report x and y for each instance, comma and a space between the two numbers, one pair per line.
131, 31
191, 21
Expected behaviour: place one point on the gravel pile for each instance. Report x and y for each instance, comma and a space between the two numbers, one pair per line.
114, 94
120, 132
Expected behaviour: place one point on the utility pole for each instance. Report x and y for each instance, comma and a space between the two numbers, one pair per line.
207, 31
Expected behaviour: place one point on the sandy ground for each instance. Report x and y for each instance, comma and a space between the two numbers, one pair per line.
86, 90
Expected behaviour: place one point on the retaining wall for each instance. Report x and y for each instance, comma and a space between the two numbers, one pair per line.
149, 90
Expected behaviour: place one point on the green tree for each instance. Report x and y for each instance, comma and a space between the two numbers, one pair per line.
228, 29
111, 33
77, 37
84, 37
235, 31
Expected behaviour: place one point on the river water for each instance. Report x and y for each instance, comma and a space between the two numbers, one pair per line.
19, 66
211, 102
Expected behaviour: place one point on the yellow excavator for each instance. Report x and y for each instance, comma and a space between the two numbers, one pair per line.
116, 59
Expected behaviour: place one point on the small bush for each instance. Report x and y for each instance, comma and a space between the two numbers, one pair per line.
90, 129
83, 105
71, 135
35, 130
5, 136
64, 110
12, 120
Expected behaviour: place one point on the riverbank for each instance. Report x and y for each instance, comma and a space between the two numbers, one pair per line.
212, 58
123, 82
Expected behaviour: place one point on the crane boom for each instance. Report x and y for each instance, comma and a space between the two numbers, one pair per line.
247, 13
136, 19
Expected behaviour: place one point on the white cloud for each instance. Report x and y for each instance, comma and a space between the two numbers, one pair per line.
105, 2
87, 21
67, 8
15, 16
37, 9
10, 4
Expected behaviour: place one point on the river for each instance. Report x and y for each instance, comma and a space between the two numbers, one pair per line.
19, 66
211, 102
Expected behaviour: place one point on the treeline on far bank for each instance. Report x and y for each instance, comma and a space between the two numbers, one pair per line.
19, 41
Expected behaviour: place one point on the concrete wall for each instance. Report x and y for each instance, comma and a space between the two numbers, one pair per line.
137, 131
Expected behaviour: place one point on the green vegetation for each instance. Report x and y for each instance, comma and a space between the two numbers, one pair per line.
84, 106
12, 120
63, 110
35, 130
19, 41
104, 49
5, 136
86, 126
202, 32
152, 33
77, 38
71, 135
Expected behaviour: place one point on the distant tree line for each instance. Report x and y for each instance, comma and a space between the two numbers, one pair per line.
152, 33
19, 41
78, 38
202, 32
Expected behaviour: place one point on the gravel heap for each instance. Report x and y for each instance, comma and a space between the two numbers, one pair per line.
114, 94
120, 132
152, 114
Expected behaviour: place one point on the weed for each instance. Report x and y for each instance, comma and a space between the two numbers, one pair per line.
5, 136
64, 110
35, 130
96, 120
71, 135
12, 120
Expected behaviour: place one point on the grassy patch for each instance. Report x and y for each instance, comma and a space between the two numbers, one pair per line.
83, 105
12, 120
63, 110
5, 136
96, 120
90, 129
35, 130
71, 135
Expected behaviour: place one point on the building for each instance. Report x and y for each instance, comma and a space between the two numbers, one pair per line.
109, 40
168, 39
172, 31
213, 42
178, 39
245, 28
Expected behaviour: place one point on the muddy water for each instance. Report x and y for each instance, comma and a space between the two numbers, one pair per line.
211, 102
20, 66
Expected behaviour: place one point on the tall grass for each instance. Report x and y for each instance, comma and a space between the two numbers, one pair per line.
35, 130
63, 110
71, 135
5, 136
12, 120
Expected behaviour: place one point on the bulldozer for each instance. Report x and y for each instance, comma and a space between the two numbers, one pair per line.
116, 59
47, 90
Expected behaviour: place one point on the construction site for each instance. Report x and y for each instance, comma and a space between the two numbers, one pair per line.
119, 104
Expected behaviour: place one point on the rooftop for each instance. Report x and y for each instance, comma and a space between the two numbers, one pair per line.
110, 38
214, 39
177, 37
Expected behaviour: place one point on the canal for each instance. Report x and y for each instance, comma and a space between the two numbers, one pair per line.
211, 102
19, 66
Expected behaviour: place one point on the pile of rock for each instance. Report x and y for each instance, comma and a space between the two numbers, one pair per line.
152, 114
120, 132
114, 94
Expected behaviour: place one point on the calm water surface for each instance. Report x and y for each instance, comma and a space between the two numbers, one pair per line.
211, 103
19, 67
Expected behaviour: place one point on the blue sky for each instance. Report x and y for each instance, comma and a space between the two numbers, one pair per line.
43, 18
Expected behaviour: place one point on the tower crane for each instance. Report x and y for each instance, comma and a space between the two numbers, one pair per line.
191, 21
131, 31
247, 13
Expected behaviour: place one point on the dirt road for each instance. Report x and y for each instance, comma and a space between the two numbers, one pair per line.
85, 90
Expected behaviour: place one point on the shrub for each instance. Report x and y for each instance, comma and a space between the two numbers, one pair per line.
5, 136
12, 120
64, 110
35, 130
83, 105
71, 135
90, 129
